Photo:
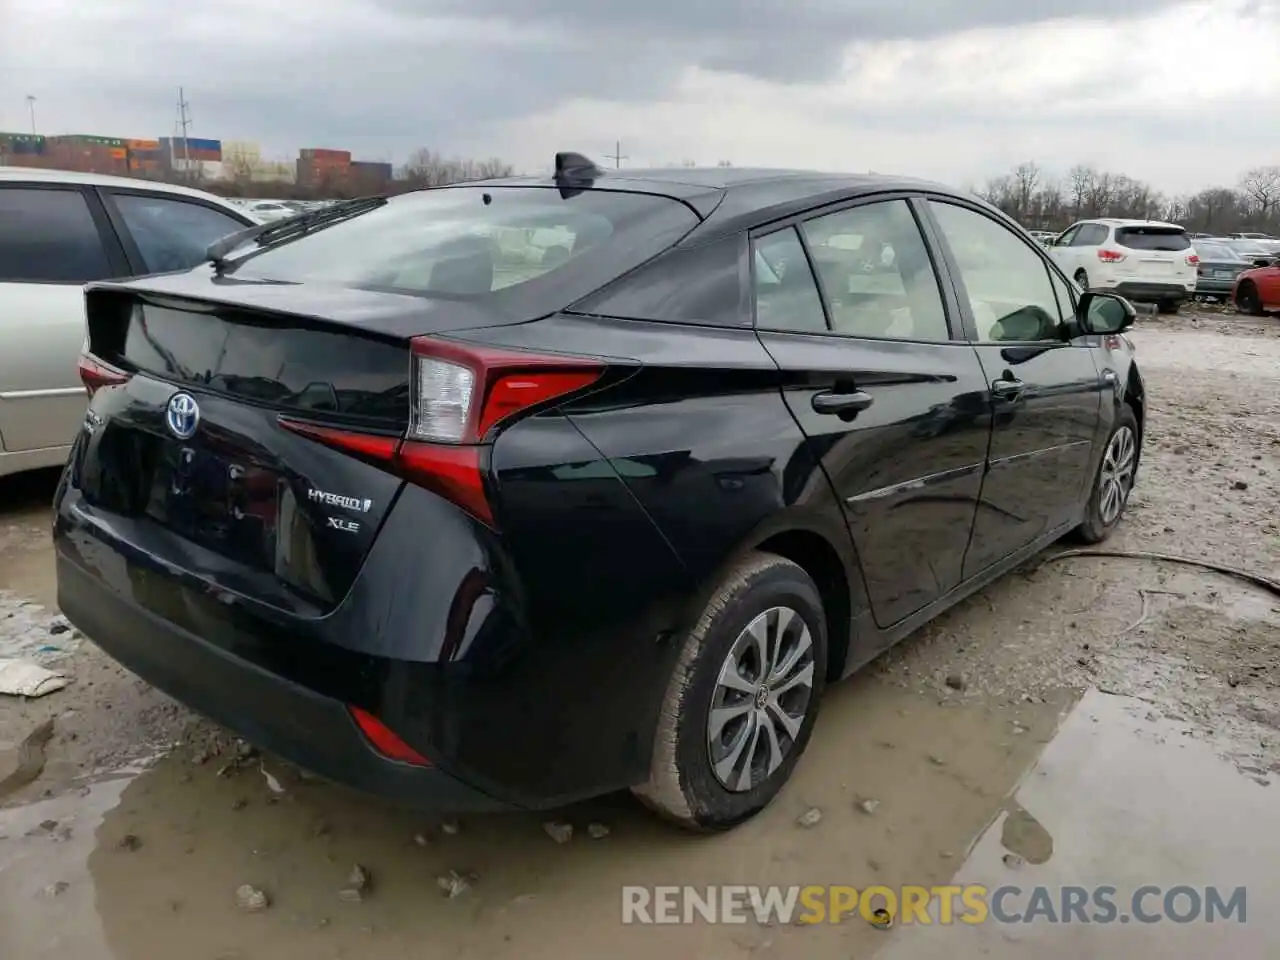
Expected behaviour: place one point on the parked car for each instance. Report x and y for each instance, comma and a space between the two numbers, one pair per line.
1144, 260
1218, 268
1251, 236
475, 529
1257, 290
1042, 236
58, 231
1255, 251
268, 211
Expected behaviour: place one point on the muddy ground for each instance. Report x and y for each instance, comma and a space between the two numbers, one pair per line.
140, 822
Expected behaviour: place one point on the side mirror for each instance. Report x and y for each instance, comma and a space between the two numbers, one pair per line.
1103, 313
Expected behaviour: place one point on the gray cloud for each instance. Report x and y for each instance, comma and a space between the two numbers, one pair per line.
784, 40
385, 76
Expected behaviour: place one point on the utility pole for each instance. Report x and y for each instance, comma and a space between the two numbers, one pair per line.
31, 105
182, 126
617, 156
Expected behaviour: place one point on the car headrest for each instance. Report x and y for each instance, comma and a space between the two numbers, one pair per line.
464, 267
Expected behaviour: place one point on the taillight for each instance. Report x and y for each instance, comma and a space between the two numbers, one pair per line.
95, 374
459, 394
1193, 261
1110, 256
385, 740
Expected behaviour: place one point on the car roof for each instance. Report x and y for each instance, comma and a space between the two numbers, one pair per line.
42, 175
1123, 222
732, 199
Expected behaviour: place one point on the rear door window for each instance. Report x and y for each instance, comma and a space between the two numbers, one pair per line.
1167, 239
49, 236
172, 234
877, 273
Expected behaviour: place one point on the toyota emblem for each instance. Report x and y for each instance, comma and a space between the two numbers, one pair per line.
182, 416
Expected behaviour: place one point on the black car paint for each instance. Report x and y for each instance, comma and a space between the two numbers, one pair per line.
529, 664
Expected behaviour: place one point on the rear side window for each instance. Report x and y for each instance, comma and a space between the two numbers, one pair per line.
786, 294
49, 236
1090, 235
701, 284
1153, 238
507, 245
172, 234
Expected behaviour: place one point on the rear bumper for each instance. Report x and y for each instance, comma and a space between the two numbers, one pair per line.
1146, 290
271, 711
1214, 287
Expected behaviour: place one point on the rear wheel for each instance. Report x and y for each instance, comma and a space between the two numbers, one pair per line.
1114, 481
741, 704
1082, 279
1247, 299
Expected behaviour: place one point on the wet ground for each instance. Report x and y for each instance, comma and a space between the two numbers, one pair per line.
1117, 721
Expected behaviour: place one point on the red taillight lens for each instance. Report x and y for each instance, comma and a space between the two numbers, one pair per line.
1193, 261
385, 740
95, 374
459, 394
1110, 256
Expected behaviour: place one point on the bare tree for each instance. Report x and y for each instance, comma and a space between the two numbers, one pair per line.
1081, 178
1026, 177
1262, 186
426, 168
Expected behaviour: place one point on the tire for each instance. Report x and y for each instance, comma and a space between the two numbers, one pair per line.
1082, 280
1101, 515
1168, 306
1247, 299
683, 784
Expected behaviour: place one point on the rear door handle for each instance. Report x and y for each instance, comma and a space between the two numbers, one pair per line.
832, 402
1007, 388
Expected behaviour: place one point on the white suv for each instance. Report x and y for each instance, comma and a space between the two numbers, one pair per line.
1142, 260
58, 231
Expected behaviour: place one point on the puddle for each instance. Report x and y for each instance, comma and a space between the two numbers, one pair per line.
1129, 801
157, 872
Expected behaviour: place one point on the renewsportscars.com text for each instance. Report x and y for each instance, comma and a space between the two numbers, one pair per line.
971, 904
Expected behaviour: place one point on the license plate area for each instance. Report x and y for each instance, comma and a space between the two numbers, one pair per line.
223, 503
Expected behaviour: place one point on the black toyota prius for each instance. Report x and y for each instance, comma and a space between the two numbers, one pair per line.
507, 494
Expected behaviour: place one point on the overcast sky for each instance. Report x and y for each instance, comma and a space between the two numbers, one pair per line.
1181, 94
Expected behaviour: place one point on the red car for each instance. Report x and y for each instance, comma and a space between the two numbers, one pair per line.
1258, 290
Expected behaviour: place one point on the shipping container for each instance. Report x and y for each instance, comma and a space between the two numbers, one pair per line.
320, 153
371, 170
87, 139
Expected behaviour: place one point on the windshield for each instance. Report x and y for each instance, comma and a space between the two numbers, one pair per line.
473, 242
1247, 246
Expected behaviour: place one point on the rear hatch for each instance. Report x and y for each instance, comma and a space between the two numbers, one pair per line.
190, 462
1156, 252
211, 447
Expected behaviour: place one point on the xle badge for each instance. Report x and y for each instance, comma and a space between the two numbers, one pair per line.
346, 526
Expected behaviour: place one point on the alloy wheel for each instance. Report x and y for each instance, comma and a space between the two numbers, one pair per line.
1116, 477
761, 699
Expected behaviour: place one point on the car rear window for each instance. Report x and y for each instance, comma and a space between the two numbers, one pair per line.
484, 242
1215, 251
1153, 238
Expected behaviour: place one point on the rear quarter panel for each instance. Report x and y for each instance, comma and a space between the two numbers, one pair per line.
701, 437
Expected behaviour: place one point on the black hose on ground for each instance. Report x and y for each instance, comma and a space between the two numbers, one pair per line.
1255, 578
